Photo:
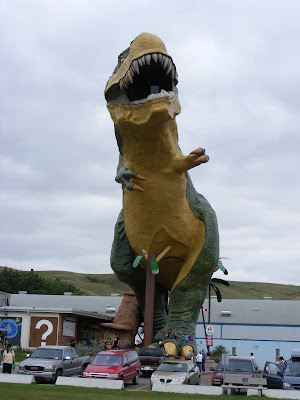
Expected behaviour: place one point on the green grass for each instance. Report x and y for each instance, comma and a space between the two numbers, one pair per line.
36, 392
105, 284
20, 355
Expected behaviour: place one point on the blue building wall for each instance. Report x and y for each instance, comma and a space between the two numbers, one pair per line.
265, 341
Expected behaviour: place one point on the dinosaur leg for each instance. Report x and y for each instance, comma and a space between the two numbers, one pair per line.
185, 304
187, 297
122, 257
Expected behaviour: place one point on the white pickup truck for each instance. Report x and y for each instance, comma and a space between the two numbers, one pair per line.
49, 362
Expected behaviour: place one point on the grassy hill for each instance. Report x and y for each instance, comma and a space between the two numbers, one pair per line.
105, 284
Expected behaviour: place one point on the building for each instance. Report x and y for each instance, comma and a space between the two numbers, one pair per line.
29, 320
267, 328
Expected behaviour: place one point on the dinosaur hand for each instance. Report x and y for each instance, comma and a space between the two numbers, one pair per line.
201, 157
196, 157
124, 176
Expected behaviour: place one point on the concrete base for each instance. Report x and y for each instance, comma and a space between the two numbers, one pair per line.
90, 382
191, 389
282, 394
14, 378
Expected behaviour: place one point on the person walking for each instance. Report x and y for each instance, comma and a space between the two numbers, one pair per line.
199, 360
203, 360
116, 342
8, 359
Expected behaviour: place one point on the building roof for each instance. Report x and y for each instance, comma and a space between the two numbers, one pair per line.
107, 305
229, 311
236, 311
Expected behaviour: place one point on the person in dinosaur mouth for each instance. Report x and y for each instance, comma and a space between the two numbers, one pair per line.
161, 208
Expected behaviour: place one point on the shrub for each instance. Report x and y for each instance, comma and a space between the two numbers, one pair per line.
218, 351
82, 349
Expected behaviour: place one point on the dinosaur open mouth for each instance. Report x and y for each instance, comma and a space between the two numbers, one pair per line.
150, 77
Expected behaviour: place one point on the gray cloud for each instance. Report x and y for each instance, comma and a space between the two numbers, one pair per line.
239, 75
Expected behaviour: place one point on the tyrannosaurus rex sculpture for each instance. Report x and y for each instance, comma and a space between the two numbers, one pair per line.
161, 207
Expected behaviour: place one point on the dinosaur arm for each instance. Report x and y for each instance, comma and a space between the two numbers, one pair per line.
124, 176
195, 158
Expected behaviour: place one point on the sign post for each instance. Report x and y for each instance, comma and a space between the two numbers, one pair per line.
225, 362
209, 336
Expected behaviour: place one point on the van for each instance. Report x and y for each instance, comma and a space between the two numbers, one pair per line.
245, 367
115, 364
295, 355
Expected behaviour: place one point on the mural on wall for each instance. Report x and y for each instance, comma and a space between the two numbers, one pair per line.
11, 327
43, 331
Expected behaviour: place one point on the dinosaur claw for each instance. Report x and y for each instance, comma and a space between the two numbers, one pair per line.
137, 188
198, 151
202, 159
140, 177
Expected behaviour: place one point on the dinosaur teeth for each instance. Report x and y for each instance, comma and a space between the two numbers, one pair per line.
154, 96
170, 66
141, 61
165, 61
130, 76
148, 58
155, 57
135, 66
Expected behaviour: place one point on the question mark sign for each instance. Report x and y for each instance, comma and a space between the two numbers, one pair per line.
48, 331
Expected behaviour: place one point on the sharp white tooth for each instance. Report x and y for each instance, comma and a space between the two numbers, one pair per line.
166, 62
151, 96
169, 68
162, 60
160, 57
148, 58
121, 84
155, 57
130, 77
164, 93
132, 71
142, 60
135, 65
173, 73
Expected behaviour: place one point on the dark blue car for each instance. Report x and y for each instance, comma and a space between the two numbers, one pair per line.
283, 376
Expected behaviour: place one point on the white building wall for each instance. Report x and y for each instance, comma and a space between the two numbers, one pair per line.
26, 320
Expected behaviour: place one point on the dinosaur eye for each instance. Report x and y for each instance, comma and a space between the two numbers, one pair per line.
121, 59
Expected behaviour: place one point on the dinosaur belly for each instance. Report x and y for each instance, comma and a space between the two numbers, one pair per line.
161, 217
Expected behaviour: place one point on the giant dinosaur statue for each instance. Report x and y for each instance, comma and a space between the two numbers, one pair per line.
161, 207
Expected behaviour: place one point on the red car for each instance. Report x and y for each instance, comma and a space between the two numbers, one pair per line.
115, 364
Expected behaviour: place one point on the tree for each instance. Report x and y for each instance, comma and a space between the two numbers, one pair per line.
13, 281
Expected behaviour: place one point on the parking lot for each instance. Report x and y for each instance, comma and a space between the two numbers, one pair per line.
144, 382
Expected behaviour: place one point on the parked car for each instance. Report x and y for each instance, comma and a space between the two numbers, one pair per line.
176, 371
283, 376
115, 364
238, 366
151, 358
49, 362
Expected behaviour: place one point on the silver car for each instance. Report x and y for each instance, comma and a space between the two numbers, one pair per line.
176, 371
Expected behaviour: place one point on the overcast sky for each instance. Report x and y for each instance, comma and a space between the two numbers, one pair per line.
238, 64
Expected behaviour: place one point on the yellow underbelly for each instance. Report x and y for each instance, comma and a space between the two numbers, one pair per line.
161, 217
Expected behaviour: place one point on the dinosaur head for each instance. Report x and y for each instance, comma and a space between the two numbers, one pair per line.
145, 75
